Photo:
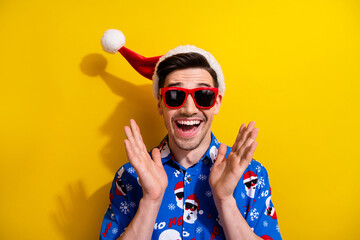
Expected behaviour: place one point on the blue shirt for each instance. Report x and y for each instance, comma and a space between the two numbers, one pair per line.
188, 211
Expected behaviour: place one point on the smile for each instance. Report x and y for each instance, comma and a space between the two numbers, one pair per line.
187, 128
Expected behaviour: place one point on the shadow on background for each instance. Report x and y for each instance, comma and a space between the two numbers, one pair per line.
79, 216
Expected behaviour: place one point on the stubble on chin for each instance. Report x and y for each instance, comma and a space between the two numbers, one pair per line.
187, 145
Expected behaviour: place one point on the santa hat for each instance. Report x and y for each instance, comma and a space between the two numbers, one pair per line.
195, 201
179, 187
248, 176
114, 40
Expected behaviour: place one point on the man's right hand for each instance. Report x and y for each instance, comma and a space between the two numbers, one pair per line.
151, 173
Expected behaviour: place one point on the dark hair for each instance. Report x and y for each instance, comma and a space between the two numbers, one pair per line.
184, 61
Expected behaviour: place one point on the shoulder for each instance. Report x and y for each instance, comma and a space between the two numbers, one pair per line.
125, 185
255, 172
257, 167
125, 173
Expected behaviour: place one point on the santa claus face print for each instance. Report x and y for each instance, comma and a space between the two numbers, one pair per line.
164, 149
170, 234
213, 153
120, 187
191, 209
179, 194
270, 211
190, 213
250, 180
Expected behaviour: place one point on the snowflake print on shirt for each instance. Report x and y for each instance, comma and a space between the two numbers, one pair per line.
171, 206
199, 229
131, 170
129, 187
208, 193
176, 173
202, 177
254, 214
187, 178
261, 183
242, 195
114, 231
124, 207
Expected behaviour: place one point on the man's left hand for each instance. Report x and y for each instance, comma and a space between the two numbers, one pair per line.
226, 173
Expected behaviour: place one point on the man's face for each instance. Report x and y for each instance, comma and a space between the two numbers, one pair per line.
189, 126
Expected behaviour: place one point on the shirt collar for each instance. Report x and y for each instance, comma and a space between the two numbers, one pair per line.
210, 154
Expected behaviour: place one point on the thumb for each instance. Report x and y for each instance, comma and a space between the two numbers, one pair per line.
156, 156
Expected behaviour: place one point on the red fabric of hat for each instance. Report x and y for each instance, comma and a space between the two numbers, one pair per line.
144, 66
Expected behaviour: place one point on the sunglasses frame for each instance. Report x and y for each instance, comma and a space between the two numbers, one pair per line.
187, 92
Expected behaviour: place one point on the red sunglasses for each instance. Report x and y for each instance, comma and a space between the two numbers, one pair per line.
175, 97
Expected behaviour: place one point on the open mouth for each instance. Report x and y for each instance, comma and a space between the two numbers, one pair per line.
187, 126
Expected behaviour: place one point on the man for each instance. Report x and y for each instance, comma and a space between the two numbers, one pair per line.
191, 186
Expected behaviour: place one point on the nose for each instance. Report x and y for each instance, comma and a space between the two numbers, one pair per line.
189, 107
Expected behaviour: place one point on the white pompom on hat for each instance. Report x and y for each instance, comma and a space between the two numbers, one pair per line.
114, 40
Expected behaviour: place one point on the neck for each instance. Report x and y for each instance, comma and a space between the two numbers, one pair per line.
187, 158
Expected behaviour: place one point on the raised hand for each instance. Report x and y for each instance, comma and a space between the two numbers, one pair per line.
151, 173
226, 173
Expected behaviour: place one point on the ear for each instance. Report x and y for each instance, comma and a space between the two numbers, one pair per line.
159, 105
217, 104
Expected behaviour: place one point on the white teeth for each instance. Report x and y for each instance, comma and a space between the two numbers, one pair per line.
194, 122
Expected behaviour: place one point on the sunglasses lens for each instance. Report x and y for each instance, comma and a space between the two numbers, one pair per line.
180, 195
190, 206
205, 98
174, 98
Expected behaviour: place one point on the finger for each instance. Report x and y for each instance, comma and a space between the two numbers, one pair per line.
221, 154
136, 146
248, 130
137, 135
250, 152
129, 151
238, 137
250, 139
246, 134
129, 135
156, 156
136, 132
138, 129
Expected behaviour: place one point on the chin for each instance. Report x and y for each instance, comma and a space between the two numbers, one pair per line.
191, 143
187, 145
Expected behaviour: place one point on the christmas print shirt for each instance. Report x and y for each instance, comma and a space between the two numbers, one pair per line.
188, 211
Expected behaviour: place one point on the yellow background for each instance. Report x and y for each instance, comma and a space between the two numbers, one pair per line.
291, 66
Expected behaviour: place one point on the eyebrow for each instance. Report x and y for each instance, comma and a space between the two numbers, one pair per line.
179, 84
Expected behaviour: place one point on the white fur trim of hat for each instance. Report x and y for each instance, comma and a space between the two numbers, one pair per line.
187, 49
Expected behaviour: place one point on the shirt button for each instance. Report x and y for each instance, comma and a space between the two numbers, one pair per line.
189, 179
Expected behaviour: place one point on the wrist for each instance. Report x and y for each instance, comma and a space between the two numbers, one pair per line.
227, 202
151, 203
